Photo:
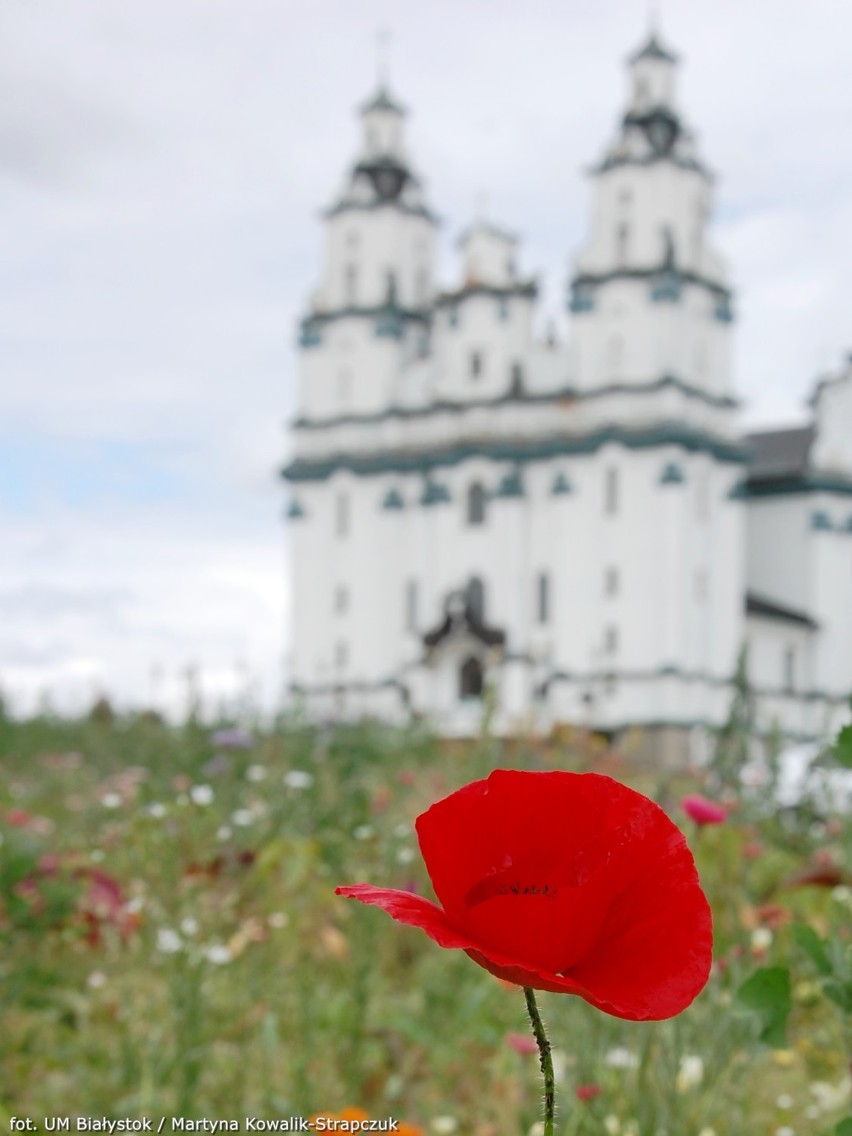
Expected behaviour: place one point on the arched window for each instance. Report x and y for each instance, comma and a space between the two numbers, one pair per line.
342, 515
611, 491
411, 605
476, 597
476, 504
622, 242
350, 284
543, 597
421, 286
470, 678
344, 385
615, 351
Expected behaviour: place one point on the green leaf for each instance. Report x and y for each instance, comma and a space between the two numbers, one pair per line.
767, 993
840, 993
844, 1128
843, 747
813, 946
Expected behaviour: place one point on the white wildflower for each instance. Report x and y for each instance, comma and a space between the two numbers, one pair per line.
621, 1058
156, 810
218, 954
784, 1102
189, 926
278, 919
298, 779
201, 794
111, 800
256, 772
444, 1125
168, 942
242, 817
405, 855
690, 1073
761, 939
224, 832
363, 832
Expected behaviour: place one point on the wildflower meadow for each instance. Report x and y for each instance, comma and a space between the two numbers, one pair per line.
172, 944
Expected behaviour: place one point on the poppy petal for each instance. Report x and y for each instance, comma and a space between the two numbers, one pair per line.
413, 910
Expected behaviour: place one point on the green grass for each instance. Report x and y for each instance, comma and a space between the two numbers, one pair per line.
281, 999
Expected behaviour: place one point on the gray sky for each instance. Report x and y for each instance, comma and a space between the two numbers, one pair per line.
162, 165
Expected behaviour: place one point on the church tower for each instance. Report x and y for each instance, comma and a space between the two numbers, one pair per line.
649, 293
473, 509
370, 312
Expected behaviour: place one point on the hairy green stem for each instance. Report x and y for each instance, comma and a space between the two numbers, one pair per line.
545, 1059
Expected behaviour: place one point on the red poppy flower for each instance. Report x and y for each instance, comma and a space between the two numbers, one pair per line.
568, 882
703, 811
587, 1092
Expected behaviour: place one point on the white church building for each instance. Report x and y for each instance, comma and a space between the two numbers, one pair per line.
481, 522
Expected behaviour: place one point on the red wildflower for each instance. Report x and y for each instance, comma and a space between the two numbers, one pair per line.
587, 1092
18, 818
521, 1043
568, 882
703, 811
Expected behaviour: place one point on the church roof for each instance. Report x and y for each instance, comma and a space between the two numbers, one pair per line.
464, 619
760, 605
653, 49
382, 100
779, 453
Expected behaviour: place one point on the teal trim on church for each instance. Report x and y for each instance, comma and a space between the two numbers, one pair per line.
672, 474
667, 434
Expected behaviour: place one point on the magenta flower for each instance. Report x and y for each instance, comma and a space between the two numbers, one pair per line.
702, 810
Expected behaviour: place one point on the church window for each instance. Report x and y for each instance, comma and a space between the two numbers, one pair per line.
611, 640
611, 581
642, 92
452, 317
476, 597
341, 654
622, 242
342, 515
341, 599
702, 496
517, 376
421, 286
615, 351
470, 678
411, 605
476, 364
543, 597
502, 309
476, 504
350, 284
344, 386
789, 669
611, 491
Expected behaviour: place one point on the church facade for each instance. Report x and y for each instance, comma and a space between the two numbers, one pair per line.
484, 523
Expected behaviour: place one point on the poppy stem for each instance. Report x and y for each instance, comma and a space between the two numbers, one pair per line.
545, 1059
